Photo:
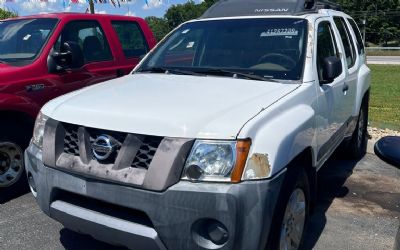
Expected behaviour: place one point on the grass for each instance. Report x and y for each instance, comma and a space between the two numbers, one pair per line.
384, 108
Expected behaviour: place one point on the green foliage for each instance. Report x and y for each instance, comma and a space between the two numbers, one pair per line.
4, 14
382, 19
176, 15
159, 26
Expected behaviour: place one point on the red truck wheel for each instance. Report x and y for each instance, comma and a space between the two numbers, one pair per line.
14, 139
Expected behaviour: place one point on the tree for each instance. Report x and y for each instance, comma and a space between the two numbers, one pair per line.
176, 15
382, 18
159, 26
4, 14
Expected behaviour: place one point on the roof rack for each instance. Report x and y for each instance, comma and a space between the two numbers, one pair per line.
230, 8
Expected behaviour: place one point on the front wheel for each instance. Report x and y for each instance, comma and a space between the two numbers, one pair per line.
291, 213
293, 221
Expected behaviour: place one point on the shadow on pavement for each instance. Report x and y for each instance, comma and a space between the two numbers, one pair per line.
11, 193
75, 241
331, 179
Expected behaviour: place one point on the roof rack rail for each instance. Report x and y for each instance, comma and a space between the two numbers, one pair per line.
230, 8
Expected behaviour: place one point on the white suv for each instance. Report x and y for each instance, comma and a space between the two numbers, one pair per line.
215, 139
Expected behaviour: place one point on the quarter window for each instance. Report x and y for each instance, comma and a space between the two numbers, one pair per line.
326, 45
359, 39
348, 44
90, 37
131, 38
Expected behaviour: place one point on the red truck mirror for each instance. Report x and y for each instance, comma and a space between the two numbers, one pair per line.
70, 56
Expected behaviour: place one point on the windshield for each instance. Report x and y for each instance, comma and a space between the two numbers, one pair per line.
271, 48
23, 39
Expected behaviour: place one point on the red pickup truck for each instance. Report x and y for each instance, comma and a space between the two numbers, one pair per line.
44, 56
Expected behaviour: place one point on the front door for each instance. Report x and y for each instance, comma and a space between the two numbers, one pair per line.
332, 113
99, 62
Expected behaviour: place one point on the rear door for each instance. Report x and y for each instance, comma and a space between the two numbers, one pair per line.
132, 43
352, 65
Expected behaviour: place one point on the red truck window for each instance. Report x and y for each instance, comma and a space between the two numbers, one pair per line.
90, 37
131, 38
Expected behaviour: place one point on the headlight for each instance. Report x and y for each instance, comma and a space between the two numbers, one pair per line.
222, 161
38, 131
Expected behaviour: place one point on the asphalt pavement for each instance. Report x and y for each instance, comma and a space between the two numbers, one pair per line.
358, 208
383, 60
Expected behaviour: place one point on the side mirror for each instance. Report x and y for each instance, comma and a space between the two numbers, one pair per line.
331, 68
70, 57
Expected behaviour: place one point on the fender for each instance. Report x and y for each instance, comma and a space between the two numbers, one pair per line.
363, 85
11, 103
286, 130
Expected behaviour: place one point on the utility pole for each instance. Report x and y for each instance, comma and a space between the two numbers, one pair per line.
91, 6
364, 25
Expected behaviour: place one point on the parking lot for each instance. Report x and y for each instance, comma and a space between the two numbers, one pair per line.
358, 208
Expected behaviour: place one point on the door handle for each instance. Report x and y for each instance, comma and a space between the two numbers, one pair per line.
345, 88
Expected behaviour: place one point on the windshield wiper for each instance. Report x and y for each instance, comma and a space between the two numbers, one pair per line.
170, 71
237, 74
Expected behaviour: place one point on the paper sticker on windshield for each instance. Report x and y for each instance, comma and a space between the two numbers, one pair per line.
280, 32
185, 31
26, 38
190, 45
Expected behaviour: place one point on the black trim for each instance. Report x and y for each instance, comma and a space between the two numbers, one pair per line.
335, 139
232, 8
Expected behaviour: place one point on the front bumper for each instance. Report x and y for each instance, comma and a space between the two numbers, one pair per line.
245, 209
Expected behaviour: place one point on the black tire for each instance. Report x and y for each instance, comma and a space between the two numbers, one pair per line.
294, 180
397, 240
18, 133
357, 146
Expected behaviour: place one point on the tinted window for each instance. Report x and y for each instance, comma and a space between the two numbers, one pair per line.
360, 42
346, 40
131, 38
90, 37
326, 45
270, 48
23, 39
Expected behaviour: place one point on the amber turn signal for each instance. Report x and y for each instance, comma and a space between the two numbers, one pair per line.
242, 151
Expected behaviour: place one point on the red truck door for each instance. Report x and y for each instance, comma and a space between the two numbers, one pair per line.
100, 62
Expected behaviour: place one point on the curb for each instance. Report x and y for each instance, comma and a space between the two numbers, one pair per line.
370, 146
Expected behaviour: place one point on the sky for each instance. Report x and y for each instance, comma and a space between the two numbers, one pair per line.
133, 8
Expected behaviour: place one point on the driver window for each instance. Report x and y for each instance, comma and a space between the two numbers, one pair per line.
89, 36
326, 45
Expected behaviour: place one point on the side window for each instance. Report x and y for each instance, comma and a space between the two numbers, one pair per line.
348, 44
326, 45
131, 38
90, 37
360, 42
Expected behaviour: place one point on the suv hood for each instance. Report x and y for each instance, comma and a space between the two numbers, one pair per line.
169, 105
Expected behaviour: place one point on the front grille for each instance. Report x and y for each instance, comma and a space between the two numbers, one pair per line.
142, 159
71, 140
146, 152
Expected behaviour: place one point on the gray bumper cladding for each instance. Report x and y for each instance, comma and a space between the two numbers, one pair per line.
105, 228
